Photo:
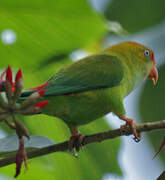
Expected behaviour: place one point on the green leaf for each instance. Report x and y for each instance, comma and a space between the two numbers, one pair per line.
136, 15
46, 28
54, 59
152, 108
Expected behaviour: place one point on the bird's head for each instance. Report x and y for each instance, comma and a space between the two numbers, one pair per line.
146, 58
139, 58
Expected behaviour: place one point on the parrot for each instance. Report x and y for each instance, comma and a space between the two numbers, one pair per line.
96, 85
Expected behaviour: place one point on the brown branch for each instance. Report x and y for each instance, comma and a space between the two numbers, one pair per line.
87, 140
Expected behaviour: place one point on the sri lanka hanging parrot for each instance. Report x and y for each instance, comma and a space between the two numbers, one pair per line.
96, 85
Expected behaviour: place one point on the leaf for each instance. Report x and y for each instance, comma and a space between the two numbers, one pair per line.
45, 28
136, 15
10, 143
54, 59
152, 108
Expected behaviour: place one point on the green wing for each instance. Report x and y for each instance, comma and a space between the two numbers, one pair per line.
93, 72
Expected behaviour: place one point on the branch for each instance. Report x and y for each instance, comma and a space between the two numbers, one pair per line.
87, 140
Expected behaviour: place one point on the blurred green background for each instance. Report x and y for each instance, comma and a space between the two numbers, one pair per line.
42, 36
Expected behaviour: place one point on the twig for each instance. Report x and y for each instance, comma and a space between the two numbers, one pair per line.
87, 140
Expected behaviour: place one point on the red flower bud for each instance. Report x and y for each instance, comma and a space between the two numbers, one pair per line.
9, 74
18, 75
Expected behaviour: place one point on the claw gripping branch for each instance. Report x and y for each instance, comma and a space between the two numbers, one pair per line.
10, 109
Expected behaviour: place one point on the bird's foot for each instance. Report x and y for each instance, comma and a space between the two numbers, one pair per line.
76, 141
132, 124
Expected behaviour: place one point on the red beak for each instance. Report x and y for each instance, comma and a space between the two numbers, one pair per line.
154, 74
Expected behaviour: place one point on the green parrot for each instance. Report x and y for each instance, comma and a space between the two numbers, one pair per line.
96, 85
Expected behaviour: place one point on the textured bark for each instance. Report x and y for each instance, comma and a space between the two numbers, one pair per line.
87, 140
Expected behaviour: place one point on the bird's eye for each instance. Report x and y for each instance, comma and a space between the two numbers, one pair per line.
146, 52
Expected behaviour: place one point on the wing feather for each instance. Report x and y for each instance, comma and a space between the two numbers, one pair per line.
93, 72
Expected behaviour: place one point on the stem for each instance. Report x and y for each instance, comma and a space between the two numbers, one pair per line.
98, 137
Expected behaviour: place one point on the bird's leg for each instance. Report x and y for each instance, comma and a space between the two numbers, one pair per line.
132, 124
76, 140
